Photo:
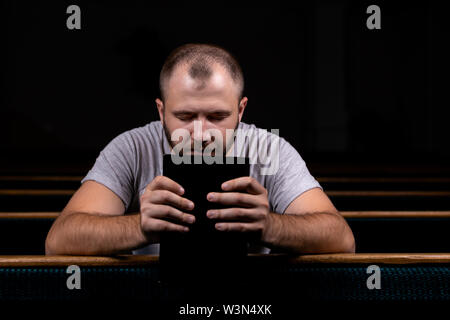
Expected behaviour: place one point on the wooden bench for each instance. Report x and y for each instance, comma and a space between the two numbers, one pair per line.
263, 279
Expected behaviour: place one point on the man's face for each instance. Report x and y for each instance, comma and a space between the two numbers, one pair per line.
212, 103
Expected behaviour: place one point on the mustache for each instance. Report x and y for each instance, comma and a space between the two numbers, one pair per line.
200, 145
197, 145
201, 148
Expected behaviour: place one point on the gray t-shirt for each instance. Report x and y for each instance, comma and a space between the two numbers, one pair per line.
134, 158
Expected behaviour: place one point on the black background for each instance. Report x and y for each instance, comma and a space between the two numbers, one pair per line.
339, 92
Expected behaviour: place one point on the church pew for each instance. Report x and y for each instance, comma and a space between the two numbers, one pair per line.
285, 281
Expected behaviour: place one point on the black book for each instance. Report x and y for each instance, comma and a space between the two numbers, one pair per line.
203, 251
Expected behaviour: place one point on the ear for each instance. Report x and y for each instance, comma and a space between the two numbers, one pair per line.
160, 106
242, 105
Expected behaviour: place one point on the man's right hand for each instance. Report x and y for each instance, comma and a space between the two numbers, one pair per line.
162, 209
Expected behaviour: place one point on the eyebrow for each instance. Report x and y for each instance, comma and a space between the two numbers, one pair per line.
212, 112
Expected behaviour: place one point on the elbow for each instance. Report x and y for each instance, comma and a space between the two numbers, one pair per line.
49, 250
350, 246
348, 243
50, 245
347, 239
53, 241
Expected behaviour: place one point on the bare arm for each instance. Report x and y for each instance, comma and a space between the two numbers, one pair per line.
311, 224
93, 223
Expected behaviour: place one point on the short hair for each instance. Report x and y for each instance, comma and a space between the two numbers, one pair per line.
200, 57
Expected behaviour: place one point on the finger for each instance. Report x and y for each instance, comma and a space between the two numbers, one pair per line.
170, 198
165, 183
237, 227
230, 214
237, 199
173, 214
166, 226
248, 184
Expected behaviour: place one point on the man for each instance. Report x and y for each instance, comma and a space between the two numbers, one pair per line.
125, 203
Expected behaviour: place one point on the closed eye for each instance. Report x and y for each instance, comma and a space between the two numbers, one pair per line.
185, 116
218, 116
214, 116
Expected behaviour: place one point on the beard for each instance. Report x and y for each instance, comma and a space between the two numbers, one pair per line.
204, 144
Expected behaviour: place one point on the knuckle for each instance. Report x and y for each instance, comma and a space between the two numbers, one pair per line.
183, 217
242, 199
239, 213
166, 211
164, 195
260, 227
160, 226
157, 181
260, 215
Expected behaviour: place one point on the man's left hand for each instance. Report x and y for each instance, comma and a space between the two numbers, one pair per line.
248, 204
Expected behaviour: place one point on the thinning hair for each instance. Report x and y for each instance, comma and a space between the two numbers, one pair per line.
200, 58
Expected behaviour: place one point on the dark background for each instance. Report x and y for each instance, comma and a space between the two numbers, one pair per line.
345, 96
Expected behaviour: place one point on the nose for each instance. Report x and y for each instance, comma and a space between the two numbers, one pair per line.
200, 131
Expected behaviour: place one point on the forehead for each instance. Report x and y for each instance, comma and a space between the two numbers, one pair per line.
219, 87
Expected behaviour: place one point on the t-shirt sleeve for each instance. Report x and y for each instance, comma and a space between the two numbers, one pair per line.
114, 168
292, 178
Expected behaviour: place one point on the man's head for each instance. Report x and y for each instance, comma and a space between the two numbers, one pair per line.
202, 83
